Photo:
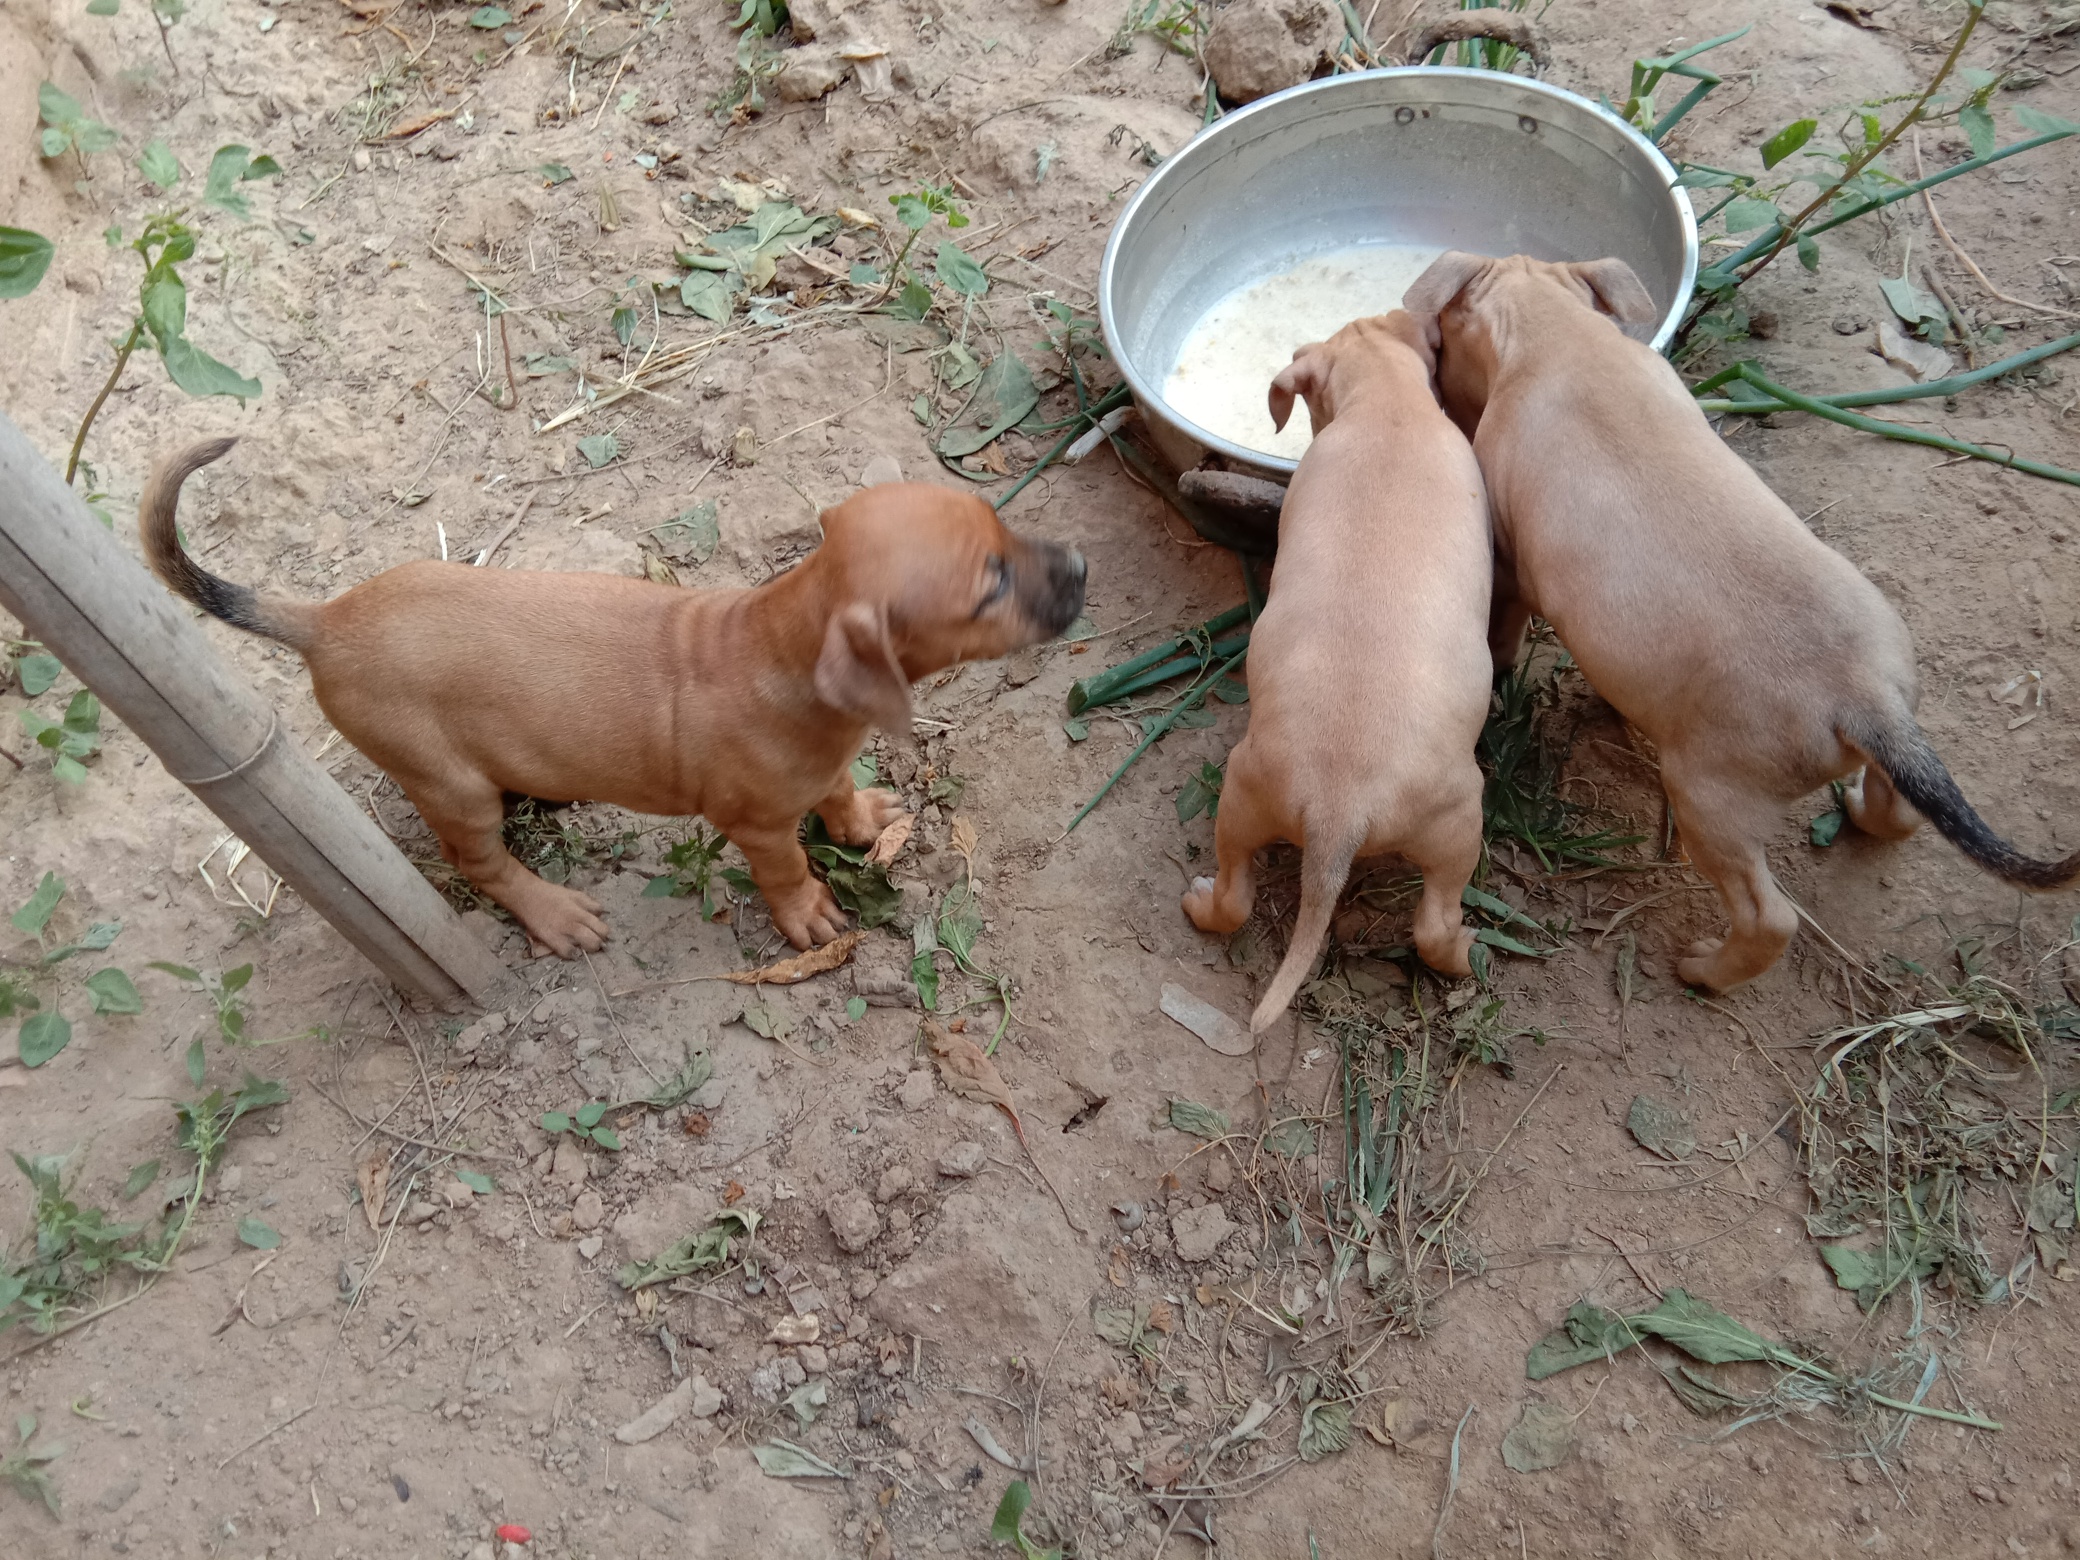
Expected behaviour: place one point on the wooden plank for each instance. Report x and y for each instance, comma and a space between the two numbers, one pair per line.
125, 636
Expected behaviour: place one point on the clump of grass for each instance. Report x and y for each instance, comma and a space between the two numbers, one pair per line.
1911, 1157
1522, 802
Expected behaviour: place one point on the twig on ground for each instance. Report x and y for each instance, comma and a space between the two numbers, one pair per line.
1928, 200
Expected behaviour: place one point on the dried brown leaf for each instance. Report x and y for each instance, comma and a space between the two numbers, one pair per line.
892, 840
966, 1071
963, 839
373, 1176
789, 972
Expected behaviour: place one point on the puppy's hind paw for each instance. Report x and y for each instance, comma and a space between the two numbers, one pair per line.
1699, 965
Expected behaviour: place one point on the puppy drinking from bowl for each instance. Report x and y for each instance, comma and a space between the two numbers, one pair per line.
1757, 659
744, 706
1368, 668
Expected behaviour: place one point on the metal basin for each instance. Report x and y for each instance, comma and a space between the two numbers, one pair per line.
1456, 159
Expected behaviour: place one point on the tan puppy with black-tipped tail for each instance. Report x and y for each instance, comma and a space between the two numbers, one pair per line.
1757, 659
744, 706
1368, 668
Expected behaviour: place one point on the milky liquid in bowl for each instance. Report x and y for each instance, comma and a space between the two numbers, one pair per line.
1225, 367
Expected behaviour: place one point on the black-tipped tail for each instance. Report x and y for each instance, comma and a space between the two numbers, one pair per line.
237, 605
1919, 774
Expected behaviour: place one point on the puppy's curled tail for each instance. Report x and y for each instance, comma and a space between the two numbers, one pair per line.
1323, 871
273, 617
1899, 747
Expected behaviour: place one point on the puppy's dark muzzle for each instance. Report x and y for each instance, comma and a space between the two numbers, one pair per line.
1053, 587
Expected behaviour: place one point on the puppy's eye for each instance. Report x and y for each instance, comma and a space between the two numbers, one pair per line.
999, 582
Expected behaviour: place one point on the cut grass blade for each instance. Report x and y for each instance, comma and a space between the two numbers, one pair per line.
1191, 700
1127, 678
1885, 397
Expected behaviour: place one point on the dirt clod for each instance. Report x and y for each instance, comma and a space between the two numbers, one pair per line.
853, 1219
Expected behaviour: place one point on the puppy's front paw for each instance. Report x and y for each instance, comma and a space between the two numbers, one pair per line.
1198, 902
562, 921
864, 816
809, 917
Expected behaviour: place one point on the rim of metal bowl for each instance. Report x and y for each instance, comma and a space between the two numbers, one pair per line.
1263, 460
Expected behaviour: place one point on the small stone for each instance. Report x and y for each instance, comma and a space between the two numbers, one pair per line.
1858, 1474
1984, 1492
854, 1222
231, 1179
588, 1212
963, 1161
816, 1359
420, 1211
862, 1286
659, 1416
1200, 1231
894, 1181
767, 1384
361, 162
807, 75
1847, 325
795, 1329
792, 1374
483, 1552
917, 1090
707, 1399
591, 1246
1220, 1175
660, 113
456, 1195
570, 1167
1257, 47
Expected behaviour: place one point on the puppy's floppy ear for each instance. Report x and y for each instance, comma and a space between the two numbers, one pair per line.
1304, 376
857, 671
1618, 292
1447, 277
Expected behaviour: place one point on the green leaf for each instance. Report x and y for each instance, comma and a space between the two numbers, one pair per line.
1660, 1128
1808, 252
1200, 793
69, 769
692, 535
1978, 129
177, 971
555, 1121
1487, 936
914, 302
198, 1063
24, 257
477, 1182
103, 7
1199, 1120
607, 1138
598, 449
16, 997
97, 937
52, 143
1541, 1438
158, 164
1324, 1428
911, 211
226, 171
1077, 730
1011, 1512
196, 372
867, 892
1909, 302
113, 992
779, 1459
37, 673
707, 294
924, 975
237, 980
855, 1009
957, 269
589, 1114
258, 1234
1826, 828
31, 919
261, 167
865, 771
1706, 1333
1291, 1139
864, 275
555, 173
1750, 212
140, 1177
43, 1036
960, 922
1589, 1334
1005, 395
1788, 140
623, 321
489, 17
2044, 124
665, 887
763, 1019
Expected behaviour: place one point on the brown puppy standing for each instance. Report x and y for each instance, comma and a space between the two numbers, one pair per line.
744, 706
1368, 671
1758, 660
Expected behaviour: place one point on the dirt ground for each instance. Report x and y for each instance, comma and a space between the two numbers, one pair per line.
403, 1391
